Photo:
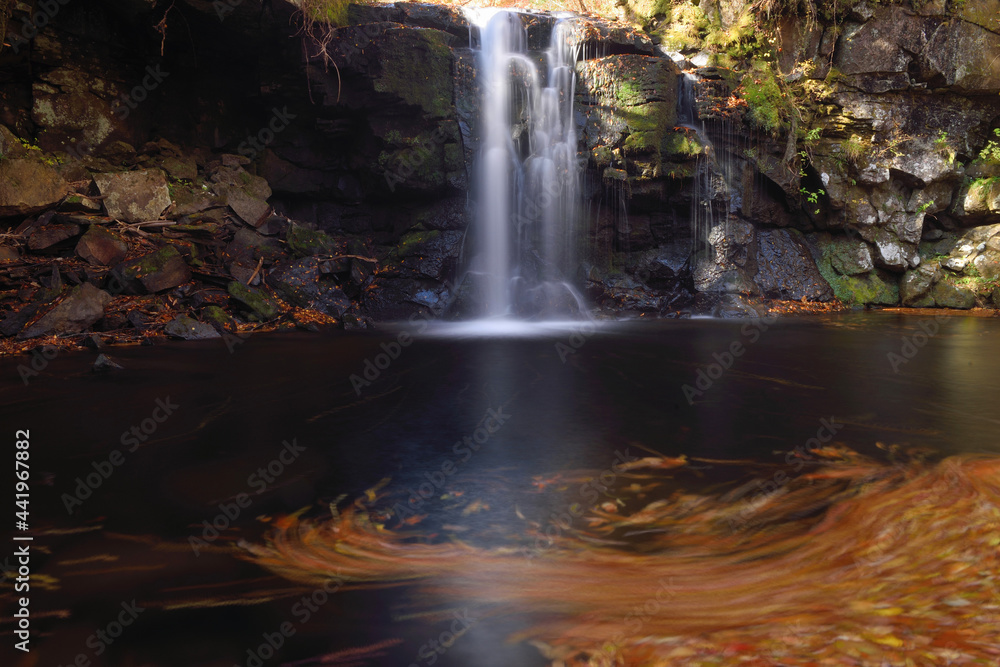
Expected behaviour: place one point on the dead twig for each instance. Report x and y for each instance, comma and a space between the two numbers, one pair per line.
260, 263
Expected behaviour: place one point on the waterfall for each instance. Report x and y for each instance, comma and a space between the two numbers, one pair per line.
715, 237
527, 172
703, 217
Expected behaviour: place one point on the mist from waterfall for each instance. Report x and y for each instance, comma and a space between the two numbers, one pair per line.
527, 173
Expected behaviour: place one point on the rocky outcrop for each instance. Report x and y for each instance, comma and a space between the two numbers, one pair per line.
277, 171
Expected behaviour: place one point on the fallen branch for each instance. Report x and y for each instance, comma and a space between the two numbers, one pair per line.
151, 223
260, 263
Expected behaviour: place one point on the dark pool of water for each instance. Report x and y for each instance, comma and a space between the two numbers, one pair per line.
569, 398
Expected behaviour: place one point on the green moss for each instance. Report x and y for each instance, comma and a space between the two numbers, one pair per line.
648, 126
686, 28
678, 171
416, 243
646, 10
612, 174
983, 183
304, 242
737, 42
642, 142
332, 12
262, 307
876, 287
151, 263
602, 156
418, 69
217, 316
628, 93
766, 102
682, 144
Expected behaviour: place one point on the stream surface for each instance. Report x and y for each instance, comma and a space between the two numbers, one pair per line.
570, 397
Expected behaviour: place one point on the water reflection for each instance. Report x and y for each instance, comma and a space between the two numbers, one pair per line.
570, 409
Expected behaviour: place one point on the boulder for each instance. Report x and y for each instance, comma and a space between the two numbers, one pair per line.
154, 272
134, 196
189, 328
304, 242
180, 168
948, 294
10, 145
250, 210
785, 270
100, 247
893, 254
82, 307
916, 285
987, 265
978, 201
259, 304
50, 235
28, 186
850, 257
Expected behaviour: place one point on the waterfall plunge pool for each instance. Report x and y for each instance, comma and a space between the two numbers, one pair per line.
522, 447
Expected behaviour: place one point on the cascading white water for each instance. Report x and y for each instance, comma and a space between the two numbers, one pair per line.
527, 172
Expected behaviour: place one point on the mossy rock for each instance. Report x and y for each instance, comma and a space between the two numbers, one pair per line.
850, 257
996, 297
217, 317
305, 242
915, 285
157, 271
417, 243
875, 287
416, 66
681, 145
262, 307
647, 10
601, 156
948, 294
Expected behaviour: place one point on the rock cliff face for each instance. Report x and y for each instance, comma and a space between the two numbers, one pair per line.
881, 186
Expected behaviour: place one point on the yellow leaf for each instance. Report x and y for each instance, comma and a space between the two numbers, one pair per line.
889, 611
889, 640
